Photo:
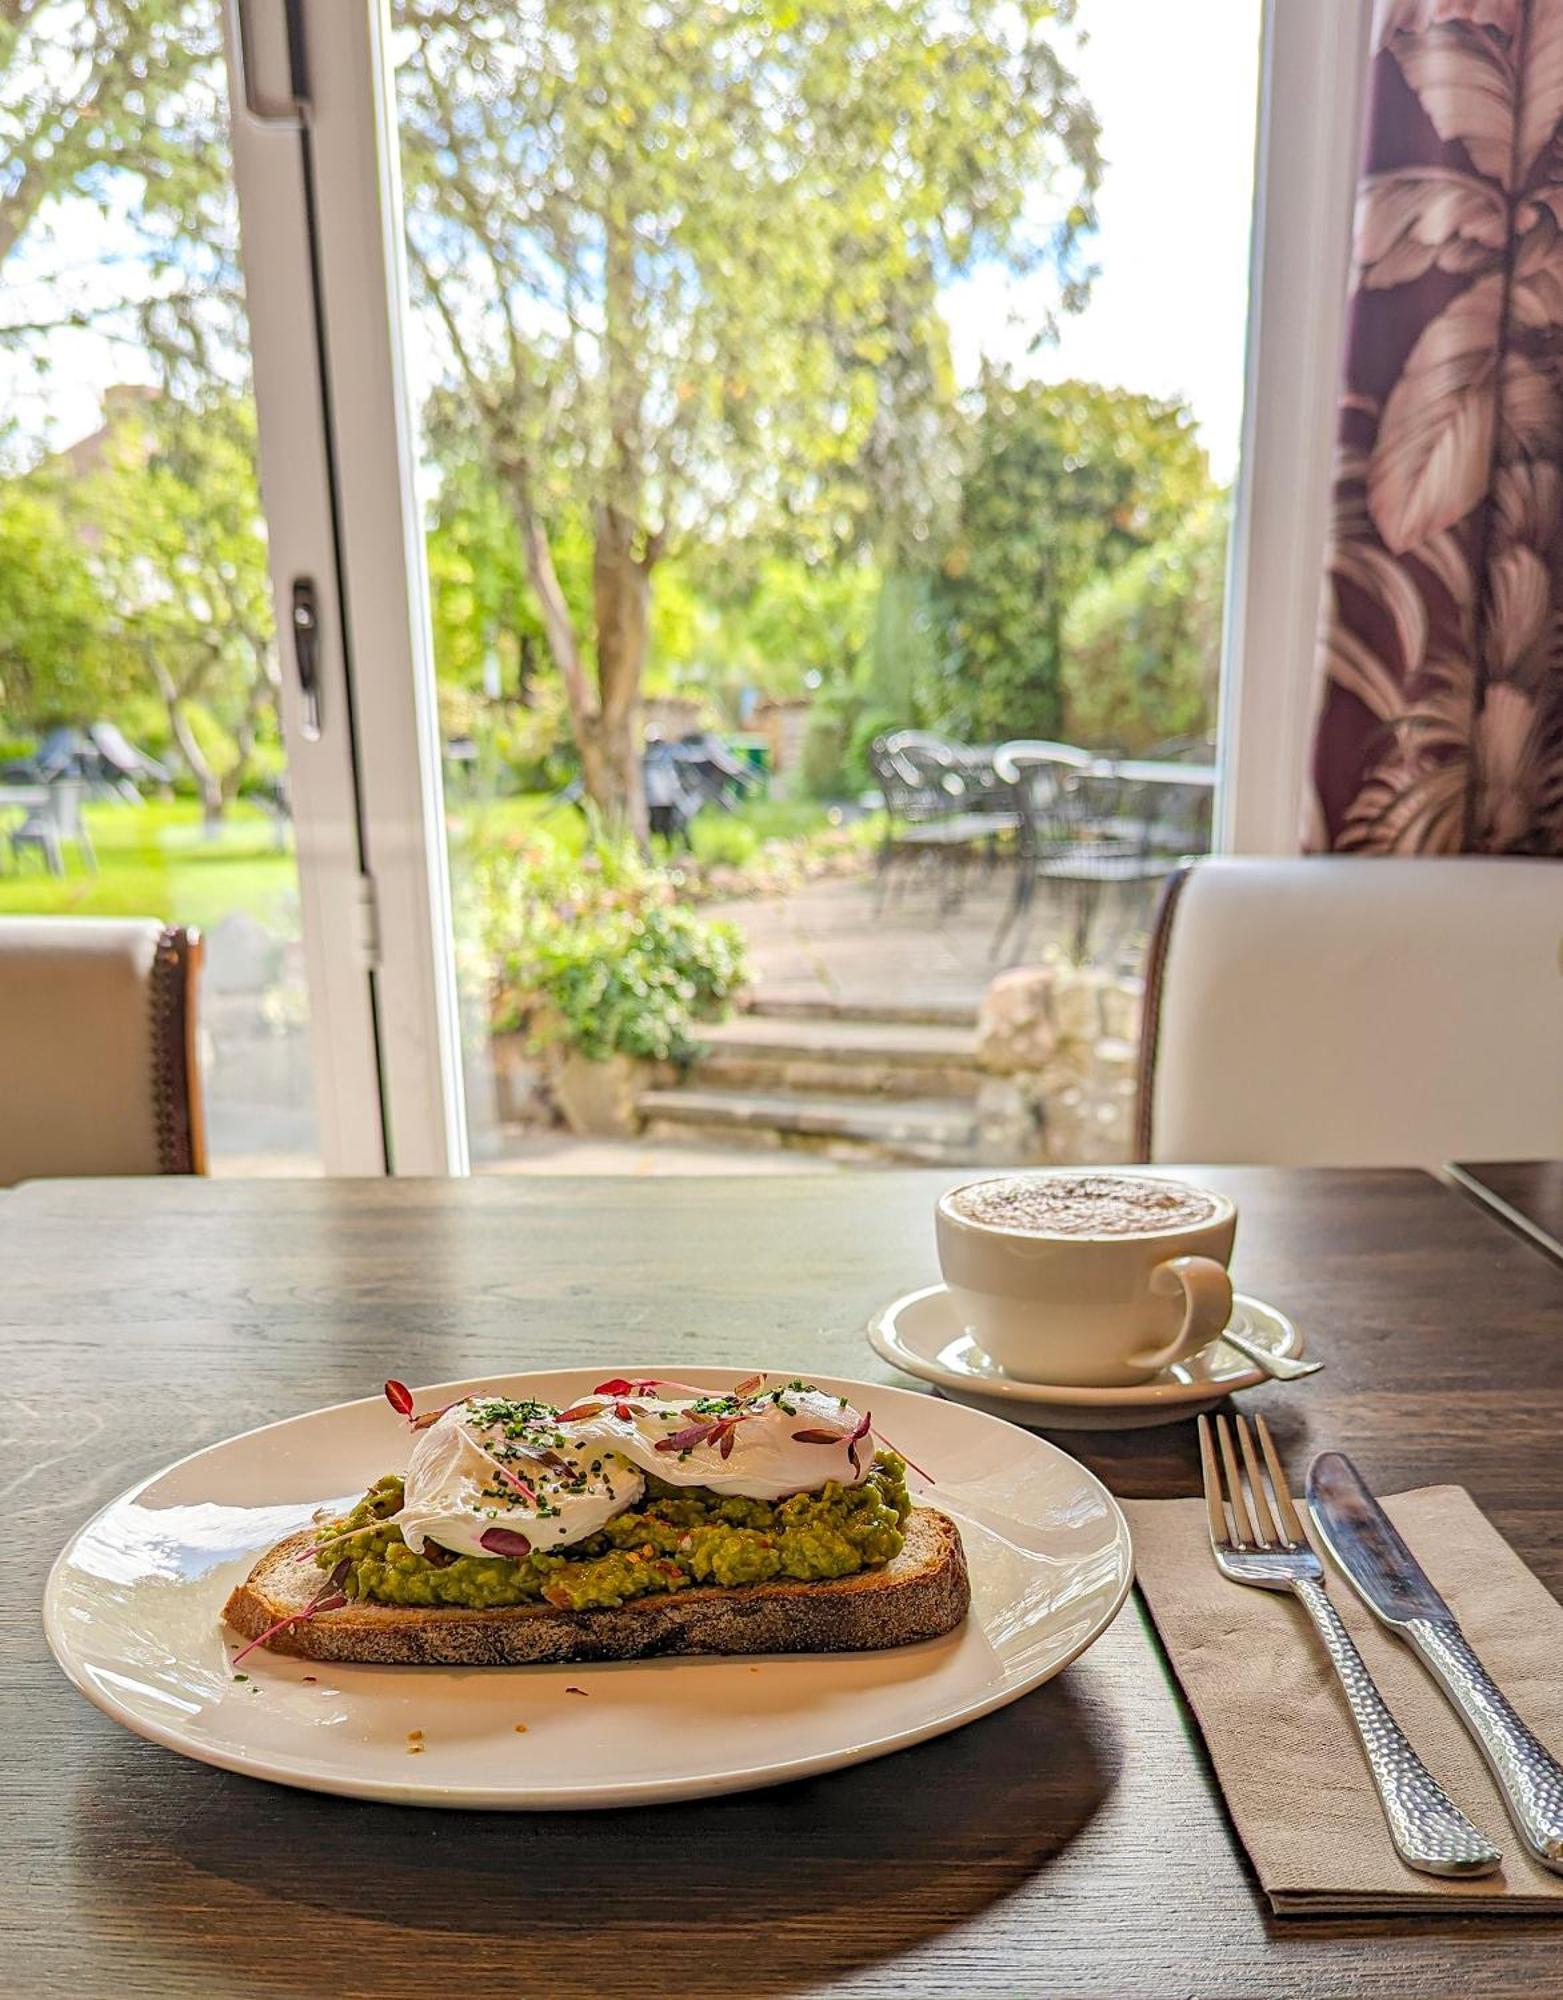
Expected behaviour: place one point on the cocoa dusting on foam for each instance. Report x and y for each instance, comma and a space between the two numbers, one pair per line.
1081, 1205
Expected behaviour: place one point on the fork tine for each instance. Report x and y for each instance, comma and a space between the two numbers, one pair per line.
1212, 1472
1269, 1534
1283, 1492
1240, 1520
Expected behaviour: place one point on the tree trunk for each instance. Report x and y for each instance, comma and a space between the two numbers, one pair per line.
621, 600
606, 724
207, 782
263, 692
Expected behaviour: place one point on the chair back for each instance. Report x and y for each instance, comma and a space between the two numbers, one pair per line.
1346, 1011
98, 1070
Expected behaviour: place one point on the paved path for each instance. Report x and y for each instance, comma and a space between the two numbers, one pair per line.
830, 942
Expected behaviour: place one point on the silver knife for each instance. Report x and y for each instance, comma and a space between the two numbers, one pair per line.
1390, 1581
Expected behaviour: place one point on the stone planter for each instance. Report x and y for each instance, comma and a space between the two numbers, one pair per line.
523, 1093
599, 1099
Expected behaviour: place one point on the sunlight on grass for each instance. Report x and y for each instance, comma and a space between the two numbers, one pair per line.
157, 861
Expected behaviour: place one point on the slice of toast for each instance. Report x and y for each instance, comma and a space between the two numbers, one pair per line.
922, 1593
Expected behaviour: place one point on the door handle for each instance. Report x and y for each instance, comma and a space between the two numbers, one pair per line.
306, 651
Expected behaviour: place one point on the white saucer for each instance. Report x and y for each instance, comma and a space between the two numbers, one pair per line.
921, 1334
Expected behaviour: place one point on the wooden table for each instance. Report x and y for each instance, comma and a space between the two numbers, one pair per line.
1074, 1843
1526, 1194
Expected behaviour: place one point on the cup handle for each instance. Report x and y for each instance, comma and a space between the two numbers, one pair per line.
1207, 1306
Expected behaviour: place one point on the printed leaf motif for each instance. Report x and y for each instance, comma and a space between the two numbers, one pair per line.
1443, 555
1403, 812
1444, 620
1527, 501
1389, 585
1530, 413
1541, 87
1465, 84
1422, 218
1351, 663
1506, 766
1415, 17
1521, 599
1536, 294
1432, 455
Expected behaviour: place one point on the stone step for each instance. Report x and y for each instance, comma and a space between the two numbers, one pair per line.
867, 1058
936, 1130
783, 1004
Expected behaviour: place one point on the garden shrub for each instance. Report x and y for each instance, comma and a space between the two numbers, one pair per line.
595, 953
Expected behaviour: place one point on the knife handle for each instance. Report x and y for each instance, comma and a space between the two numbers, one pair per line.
1429, 1830
1528, 1775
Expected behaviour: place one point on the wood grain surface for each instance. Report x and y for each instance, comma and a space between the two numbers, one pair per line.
1526, 1194
1073, 1844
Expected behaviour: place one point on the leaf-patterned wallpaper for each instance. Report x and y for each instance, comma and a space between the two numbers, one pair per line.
1441, 729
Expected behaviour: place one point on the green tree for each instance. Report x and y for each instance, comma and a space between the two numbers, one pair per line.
89, 90
56, 664
685, 262
172, 518
1142, 646
1064, 482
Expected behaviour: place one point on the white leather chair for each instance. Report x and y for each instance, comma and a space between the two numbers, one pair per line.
1345, 1011
98, 1071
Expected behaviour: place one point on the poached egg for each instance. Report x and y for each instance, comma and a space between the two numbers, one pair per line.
492, 1476
762, 1446
489, 1464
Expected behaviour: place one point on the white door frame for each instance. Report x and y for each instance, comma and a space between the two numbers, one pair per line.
322, 225
328, 306
297, 486
1316, 56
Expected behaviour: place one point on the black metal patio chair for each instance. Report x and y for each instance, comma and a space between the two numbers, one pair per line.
945, 808
1093, 830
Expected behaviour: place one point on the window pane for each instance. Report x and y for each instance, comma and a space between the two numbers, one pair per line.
813, 402
141, 766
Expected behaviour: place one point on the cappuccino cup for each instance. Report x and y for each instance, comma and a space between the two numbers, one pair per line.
1093, 1277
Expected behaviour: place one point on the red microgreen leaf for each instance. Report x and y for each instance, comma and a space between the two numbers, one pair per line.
578, 1412
912, 1462
616, 1385
399, 1396
685, 1440
748, 1386
505, 1542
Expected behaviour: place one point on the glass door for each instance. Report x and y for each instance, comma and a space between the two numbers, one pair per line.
145, 767
762, 483
811, 403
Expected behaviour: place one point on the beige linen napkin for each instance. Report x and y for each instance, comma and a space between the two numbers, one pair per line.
1278, 1729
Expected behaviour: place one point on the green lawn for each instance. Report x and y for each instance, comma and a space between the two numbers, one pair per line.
156, 861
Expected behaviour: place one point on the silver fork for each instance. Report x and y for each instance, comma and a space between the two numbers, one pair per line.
1429, 1830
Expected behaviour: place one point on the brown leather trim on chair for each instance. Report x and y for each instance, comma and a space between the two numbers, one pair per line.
1150, 1020
177, 1103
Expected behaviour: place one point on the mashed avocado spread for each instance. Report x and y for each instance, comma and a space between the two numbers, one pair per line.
674, 1537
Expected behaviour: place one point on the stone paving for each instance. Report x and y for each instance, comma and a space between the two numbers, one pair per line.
834, 942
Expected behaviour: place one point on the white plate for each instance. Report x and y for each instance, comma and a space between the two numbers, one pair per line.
923, 1334
132, 1614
